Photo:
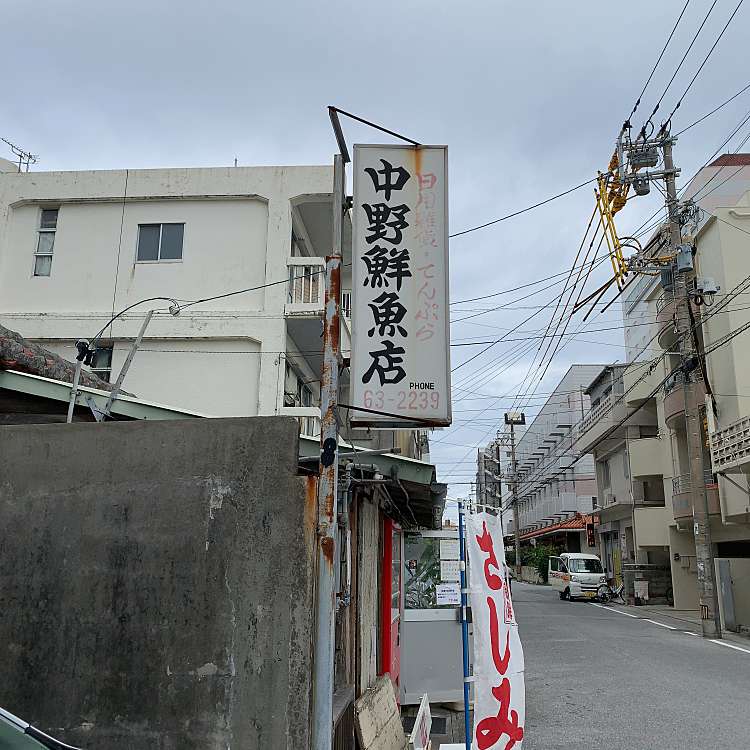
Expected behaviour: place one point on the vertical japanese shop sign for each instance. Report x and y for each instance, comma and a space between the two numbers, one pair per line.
400, 335
499, 692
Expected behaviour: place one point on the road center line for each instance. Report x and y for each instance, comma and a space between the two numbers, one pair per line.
689, 632
729, 645
660, 624
611, 609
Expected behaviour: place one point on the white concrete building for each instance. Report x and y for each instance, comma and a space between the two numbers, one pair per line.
78, 247
555, 484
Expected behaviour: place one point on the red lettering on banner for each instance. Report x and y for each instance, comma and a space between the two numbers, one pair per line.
495, 582
501, 663
508, 608
491, 729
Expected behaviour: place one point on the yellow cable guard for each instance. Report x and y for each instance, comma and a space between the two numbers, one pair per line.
610, 198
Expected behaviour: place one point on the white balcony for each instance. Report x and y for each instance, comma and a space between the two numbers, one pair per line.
645, 457
306, 287
652, 526
682, 496
599, 420
639, 381
308, 418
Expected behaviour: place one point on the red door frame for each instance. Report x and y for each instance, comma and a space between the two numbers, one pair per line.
390, 626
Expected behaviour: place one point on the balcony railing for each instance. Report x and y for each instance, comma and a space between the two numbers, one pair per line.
595, 414
683, 483
308, 418
306, 284
346, 303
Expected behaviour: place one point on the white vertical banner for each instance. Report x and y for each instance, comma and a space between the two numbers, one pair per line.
499, 691
400, 367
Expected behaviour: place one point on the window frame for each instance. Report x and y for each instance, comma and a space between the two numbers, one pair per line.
94, 370
40, 230
160, 224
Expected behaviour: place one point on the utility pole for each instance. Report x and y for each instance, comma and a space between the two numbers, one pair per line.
514, 488
325, 629
499, 483
512, 419
707, 593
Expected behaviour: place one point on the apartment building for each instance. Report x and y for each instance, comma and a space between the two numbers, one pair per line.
636, 432
76, 248
630, 487
556, 486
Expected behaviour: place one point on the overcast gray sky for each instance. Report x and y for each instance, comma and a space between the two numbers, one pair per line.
529, 98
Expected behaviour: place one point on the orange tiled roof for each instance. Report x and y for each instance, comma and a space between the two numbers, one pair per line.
578, 522
731, 160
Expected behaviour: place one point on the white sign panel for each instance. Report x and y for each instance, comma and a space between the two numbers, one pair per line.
420, 736
448, 593
449, 570
449, 549
499, 691
400, 362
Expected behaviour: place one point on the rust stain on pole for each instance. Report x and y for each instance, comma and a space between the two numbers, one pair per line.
311, 503
327, 546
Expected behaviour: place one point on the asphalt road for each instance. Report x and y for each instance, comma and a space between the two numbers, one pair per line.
596, 678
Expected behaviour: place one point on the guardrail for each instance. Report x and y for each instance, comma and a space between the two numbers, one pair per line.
683, 483
306, 281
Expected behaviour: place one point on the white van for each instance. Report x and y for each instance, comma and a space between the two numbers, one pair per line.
576, 575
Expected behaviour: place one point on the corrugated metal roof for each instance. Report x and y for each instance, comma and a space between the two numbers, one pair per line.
57, 390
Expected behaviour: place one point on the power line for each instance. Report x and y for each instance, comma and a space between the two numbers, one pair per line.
679, 66
513, 289
705, 60
524, 210
719, 306
656, 64
509, 304
713, 111
739, 288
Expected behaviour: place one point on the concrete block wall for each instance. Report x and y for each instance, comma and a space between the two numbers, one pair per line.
156, 583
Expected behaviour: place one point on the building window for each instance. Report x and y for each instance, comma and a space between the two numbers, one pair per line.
346, 304
45, 242
101, 365
296, 391
157, 242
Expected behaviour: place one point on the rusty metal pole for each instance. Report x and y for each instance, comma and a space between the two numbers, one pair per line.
325, 625
707, 592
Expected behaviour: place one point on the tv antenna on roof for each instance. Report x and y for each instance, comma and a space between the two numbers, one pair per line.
24, 157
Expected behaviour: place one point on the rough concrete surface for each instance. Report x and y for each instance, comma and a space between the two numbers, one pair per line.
156, 583
377, 721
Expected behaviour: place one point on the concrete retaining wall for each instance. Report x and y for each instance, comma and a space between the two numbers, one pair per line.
156, 583
530, 575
